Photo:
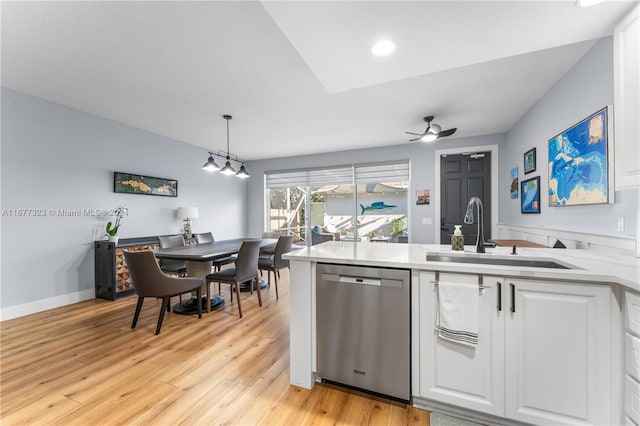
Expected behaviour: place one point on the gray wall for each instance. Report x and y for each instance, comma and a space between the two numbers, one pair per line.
585, 89
54, 157
422, 160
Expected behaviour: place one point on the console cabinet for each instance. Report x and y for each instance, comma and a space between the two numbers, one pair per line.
541, 358
111, 273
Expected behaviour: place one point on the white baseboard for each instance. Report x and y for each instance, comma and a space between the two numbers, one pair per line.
570, 239
16, 311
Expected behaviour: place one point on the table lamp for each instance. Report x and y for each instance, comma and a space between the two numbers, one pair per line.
186, 214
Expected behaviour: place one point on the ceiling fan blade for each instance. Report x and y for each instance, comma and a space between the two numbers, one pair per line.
413, 140
416, 134
447, 132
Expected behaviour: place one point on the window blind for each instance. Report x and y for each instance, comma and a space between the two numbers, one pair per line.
311, 177
379, 173
364, 173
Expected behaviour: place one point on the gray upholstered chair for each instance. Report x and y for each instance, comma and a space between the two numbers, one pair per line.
149, 281
317, 236
275, 262
207, 238
204, 238
268, 251
170, 266
246, 270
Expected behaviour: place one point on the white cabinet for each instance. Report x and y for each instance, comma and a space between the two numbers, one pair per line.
456, 374
558, 353
543, 353
626, 45
632, 358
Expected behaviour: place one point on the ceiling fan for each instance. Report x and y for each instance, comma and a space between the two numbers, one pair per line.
432, 132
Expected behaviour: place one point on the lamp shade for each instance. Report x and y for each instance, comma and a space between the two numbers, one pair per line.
187, 212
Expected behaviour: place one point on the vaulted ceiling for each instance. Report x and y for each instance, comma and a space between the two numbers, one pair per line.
298, 77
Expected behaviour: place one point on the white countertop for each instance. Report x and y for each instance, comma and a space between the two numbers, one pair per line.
595, 266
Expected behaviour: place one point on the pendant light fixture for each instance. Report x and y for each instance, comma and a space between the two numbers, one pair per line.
228, 169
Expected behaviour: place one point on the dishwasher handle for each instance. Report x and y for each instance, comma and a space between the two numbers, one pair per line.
353, 279
359, 280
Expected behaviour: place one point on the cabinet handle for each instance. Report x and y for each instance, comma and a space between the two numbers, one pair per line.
513, 298
499, 296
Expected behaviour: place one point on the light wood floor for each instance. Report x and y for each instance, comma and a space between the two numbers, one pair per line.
82, 364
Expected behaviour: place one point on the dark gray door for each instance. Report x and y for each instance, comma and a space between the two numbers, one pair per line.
463, 177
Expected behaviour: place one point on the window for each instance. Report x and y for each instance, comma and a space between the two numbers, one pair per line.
354, 203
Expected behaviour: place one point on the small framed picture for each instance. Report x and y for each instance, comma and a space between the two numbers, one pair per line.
422, 196
530, 195
530, 161
514, 183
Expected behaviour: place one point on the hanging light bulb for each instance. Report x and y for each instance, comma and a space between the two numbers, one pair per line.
242, 173
228, 169
211, 165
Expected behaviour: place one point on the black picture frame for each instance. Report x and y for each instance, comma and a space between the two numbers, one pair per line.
530, 161
129, 183
530, 196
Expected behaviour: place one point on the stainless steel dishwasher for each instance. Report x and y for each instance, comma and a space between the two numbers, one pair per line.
363, 328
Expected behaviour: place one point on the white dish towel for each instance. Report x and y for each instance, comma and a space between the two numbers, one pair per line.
457, 312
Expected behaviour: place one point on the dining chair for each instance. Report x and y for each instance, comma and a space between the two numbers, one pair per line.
268, 251
207, 238
245, 270
178, 267
171, 266
149, 281
275, 262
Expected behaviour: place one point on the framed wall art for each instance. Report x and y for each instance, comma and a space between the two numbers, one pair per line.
579, 163
514, 183
530, 161
530, 195
128, 183
422, 197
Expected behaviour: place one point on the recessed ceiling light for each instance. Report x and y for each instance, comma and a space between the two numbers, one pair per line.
587, 3
383, 48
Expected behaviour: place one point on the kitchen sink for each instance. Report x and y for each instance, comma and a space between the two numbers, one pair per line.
497, 261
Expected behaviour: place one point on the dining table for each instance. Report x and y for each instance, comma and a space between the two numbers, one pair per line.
199, 261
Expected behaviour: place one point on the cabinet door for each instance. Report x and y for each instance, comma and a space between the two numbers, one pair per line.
456, 374
558, 360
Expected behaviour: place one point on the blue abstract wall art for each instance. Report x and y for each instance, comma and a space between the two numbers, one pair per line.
578, 163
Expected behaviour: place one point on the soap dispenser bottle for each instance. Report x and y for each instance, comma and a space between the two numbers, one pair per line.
457, 240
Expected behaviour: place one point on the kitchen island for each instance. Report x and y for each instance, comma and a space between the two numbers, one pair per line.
552, 341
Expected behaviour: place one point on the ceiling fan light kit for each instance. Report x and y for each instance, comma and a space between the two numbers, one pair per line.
429, 137
228, 170
433, 131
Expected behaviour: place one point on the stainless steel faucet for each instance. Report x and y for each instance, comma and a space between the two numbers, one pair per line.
468, 219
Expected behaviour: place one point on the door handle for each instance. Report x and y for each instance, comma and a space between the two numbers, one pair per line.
513, 298
499, 296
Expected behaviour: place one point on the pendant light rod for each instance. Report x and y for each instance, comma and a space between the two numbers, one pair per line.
227, 117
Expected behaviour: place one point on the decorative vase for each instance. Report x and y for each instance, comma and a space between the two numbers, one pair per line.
113, 239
